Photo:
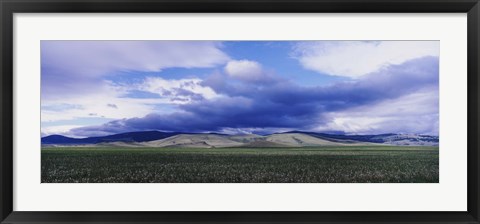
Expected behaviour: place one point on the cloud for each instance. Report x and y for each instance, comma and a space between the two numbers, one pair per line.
247, 71
112, 105
244, 70
283, 105
214, 115
60, 130
161, 91
98, 108
74, 72
417, 111
356, 58
101, 105
178, 91
70, 67
389, 82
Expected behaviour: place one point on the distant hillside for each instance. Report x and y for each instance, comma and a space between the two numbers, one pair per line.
143, 136
195, 141
390, 139
60, 139
223, 141
301, 140
214, 140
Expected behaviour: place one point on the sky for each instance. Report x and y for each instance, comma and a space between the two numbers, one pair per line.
97, 88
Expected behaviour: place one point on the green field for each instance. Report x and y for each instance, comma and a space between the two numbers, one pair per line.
359, 164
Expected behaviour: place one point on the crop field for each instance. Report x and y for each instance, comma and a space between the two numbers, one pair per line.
359, 164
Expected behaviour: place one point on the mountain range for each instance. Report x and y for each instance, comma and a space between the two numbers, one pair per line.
216, 140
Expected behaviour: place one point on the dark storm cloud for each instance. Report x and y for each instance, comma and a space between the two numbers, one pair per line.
281, 103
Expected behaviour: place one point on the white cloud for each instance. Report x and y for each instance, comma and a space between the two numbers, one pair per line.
416, 111
178, 91
93, 58
244, 70
356, 58
96, 105
101, 103
70, 67
74, 72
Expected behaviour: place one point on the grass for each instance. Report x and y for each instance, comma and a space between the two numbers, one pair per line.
362, 164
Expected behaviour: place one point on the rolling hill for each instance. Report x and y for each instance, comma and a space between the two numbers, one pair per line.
390, 139
142, 136
214, 140
195, 141
301, 140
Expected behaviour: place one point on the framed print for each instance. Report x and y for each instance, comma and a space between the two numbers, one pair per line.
245, 112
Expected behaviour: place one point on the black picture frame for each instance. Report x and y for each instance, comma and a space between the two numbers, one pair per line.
9, 7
